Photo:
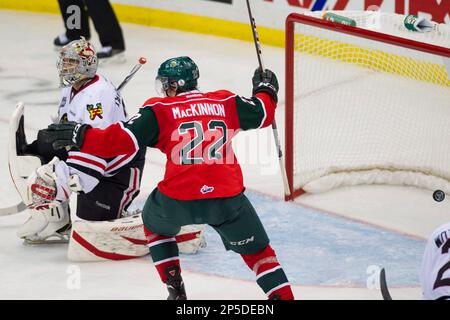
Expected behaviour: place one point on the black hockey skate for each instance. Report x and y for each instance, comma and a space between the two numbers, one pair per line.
108, 52
175, 284
61, 40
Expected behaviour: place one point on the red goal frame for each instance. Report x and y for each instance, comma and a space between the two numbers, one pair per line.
291, 20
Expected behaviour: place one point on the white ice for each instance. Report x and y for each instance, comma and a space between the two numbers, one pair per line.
28, 73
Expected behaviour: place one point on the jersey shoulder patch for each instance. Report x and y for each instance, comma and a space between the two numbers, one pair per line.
95, 111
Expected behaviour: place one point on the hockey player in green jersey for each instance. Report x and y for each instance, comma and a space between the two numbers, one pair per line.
203, 181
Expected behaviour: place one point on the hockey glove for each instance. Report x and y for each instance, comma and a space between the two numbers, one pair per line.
51, 183
60, 135
265, 82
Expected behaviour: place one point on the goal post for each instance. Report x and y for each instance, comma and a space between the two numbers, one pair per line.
366, 105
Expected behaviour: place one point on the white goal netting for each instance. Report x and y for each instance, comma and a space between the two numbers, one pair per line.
367, 112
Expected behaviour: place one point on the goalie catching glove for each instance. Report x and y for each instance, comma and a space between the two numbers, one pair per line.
48, 189
51, 184
265, 81
60, 135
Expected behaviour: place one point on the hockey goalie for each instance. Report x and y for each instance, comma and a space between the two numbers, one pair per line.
100, 227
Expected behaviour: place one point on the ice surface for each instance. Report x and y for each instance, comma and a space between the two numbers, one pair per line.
326, 252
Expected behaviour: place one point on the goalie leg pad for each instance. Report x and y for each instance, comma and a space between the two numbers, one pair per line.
119, 239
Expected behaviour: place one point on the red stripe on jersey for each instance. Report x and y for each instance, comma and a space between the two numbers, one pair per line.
131, 190
87, 160
121, 162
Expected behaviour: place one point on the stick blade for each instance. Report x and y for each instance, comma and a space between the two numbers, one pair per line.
13, 209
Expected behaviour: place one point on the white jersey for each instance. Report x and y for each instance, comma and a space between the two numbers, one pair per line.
97, 103
435, 274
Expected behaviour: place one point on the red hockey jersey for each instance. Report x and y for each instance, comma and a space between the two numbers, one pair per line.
194, 130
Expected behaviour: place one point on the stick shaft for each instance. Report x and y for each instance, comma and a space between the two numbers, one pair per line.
287, 191
130, 75
13, 209
255, 37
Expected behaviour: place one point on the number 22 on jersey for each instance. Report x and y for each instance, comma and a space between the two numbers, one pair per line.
201, 145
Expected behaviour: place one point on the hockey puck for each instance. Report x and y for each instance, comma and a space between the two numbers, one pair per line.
438, 195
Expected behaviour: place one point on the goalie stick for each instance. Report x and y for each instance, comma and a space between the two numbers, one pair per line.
383, 286
21, 206
287, 191
13, 209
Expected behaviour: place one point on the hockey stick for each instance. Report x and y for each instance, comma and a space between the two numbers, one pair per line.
287, 191
22, 206
13, 209
133, 71
383, 286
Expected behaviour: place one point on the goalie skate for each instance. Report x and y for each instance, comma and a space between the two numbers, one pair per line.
60, 236
53, 239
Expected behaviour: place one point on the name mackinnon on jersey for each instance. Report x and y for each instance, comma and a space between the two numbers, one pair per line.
199, 109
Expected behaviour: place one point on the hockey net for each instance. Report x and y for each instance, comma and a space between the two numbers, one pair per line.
366, 105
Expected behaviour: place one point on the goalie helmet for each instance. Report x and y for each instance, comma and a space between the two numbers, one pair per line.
179, 73
77, 61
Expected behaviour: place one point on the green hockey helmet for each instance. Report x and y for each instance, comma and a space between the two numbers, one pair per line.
179, 73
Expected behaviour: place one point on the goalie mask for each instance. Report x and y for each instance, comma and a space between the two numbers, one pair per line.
178, 74
77, 61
